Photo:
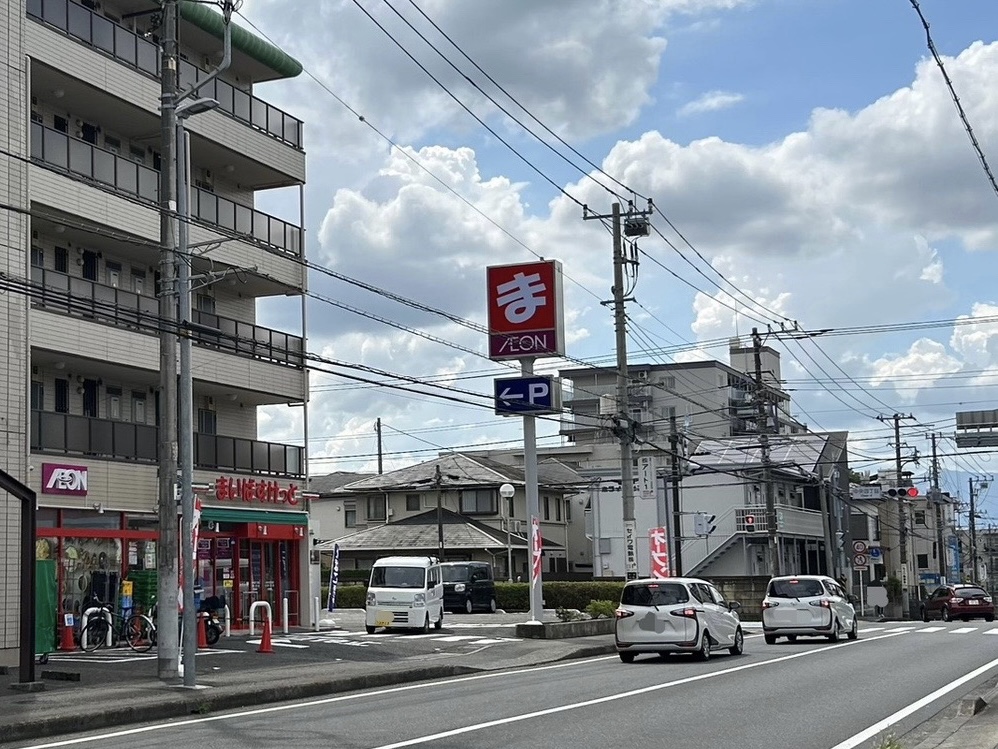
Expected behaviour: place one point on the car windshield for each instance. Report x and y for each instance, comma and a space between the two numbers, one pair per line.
458, 573
795, 588
970, 592
397, 577
654, 594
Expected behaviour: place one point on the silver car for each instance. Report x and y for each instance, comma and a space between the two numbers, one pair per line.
676, 614
810, 605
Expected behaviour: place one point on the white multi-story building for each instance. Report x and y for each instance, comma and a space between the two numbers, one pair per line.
79, 317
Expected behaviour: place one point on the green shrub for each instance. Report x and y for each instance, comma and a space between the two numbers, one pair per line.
558, 595
569, 615
601, 609
347, 596
513, 596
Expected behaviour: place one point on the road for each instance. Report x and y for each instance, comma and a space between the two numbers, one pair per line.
808, 695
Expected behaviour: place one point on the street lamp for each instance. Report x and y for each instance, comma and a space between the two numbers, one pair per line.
506, 491
186, 389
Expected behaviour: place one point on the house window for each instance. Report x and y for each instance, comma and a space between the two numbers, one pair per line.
37, 257
62, 396
61, 260
479, 501
919, 517
207, 421
510, 507
923, 561
412, 502
37, 396
113, 271
557, 509
114, 403
376, 508
205, 303
568, 510
139, 408
138, 281
350, 516
547, 508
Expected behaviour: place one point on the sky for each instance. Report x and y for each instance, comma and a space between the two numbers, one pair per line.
809, 153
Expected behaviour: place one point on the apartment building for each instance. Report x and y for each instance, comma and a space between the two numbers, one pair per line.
81, 227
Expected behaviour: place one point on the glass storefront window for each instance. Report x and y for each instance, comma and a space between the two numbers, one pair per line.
91, 520
91, 570
46, 517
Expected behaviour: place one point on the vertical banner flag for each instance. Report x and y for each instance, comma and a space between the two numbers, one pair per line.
334, 578
536, 544
195, 530
658, 539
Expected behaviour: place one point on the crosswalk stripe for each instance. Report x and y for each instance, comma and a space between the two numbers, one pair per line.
899, 629
931, 629
872, 629
456, 638
990, 632
963, 630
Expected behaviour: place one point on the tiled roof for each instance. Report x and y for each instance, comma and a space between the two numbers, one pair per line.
332, 481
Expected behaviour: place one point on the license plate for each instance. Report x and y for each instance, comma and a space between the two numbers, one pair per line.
973, 603
383, 619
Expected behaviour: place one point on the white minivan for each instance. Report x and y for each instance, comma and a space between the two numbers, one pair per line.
405, 592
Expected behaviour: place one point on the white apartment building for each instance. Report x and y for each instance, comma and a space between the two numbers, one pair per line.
80, 157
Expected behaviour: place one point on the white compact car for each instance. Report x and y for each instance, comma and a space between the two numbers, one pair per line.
676, 614
808, 605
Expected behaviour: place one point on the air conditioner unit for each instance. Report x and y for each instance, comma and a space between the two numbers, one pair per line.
391, 512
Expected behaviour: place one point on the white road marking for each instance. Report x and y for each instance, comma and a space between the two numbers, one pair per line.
461, 680
871, 629
899, 630
455, 638
869, 733
279, 644
930, 629
963, 630
990, 632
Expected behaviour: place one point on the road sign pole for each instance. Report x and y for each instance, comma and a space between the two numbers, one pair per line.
533, 501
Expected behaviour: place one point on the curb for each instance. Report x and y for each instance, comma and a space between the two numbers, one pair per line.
163, 705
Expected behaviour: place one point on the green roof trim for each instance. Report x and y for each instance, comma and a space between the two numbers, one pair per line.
225, 515
250, 44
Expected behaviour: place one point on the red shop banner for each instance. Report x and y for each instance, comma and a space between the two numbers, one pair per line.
254, 490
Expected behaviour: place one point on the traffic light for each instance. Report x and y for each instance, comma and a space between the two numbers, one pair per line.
750, 523
840, 539
703, 524
902, 492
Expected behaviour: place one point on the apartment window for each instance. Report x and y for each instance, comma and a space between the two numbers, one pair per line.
350, 516
37, 396
113, 272
114, 403
37, 257
60, 123
207, 421
510, 506
922, 560
62, 396
479, 501
138, 281
61, 260
139, 408
412, 502
557, 509
137, 154
112, 144
205, 303
547, 508
568, 510
919, 517
376, 508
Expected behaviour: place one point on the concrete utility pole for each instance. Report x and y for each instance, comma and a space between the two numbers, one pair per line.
902, 519
167, 630
677, 514
937, 500
973, 531
762, 406
377, 429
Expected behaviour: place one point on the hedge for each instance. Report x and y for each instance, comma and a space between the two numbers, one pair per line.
509, 596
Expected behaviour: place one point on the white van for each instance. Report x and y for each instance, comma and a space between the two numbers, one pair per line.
405, 592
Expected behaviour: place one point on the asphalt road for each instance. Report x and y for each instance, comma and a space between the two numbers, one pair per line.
808, 695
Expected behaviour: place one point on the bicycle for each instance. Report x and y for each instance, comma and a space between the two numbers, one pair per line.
137, 630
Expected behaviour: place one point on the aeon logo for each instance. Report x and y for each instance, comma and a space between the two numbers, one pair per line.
62, 479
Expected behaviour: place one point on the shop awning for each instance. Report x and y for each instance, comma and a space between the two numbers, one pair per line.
253, 46
268, 517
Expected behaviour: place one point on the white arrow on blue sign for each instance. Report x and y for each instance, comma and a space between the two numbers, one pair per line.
516, 396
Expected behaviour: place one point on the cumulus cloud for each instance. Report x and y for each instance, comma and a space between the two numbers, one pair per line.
977, 342
925, 362
711, 101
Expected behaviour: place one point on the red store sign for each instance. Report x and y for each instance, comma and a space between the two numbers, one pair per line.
525, 310
254, 490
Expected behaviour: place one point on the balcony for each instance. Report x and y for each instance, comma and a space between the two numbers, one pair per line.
134, 51
70, 434
80, 297
82, 159
790, 521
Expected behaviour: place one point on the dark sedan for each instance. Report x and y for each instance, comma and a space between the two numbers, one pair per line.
965, 602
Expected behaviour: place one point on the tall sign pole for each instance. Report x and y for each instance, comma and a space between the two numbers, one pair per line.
526, 322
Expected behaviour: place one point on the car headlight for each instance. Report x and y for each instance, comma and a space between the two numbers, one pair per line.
419, 599
459, 588
371, 598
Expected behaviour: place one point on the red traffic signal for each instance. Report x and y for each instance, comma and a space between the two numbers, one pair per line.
909, 491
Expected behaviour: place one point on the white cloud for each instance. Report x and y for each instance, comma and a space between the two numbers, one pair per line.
711, 101
977, 343
926, 360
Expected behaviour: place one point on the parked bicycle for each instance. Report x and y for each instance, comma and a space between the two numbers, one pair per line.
105, 626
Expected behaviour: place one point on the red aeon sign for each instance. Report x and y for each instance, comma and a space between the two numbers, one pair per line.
525, 314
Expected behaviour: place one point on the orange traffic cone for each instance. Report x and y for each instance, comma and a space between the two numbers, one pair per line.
265, 646
202, 631
66, 639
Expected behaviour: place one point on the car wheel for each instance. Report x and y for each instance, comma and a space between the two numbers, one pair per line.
946, 616
989, 618
925, 614
738, 646
426, 625
439, 622
626, 657
854, 632
703, 653
836, 634
965, 618
791, 638
468, 608
370, 630
770, 639
492, 606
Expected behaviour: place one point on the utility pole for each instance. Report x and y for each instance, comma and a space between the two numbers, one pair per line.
167, 630
377, 429
905, 566
762, 406
973, 532
438, 480
677, 515
937, 499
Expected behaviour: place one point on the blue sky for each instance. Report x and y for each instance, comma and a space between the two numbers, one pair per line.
806, 149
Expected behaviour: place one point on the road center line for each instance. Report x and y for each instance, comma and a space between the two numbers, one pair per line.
878, 727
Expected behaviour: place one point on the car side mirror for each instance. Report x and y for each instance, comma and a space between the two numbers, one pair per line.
852, 598
734, 605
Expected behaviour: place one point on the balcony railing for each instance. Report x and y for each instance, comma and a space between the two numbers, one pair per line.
129, 48
84, 159
71, 434
789, 520
78, 296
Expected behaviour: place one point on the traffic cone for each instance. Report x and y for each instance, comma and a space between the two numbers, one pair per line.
66, 639
265, 646
203, 631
